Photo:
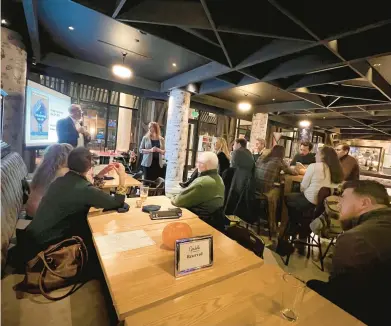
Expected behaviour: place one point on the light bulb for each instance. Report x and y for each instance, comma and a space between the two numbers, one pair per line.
244, 106
122, 71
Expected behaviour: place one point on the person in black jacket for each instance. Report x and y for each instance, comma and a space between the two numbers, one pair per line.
70, 130
222, 153
63, 210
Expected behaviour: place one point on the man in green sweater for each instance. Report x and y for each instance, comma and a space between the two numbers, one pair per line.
205, 195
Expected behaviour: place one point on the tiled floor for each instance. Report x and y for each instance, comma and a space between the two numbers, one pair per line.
301, 266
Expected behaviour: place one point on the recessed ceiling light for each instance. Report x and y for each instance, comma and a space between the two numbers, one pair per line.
4, 22
174, 64
244, 106
274, 99
71, 28
377, 64
324, 117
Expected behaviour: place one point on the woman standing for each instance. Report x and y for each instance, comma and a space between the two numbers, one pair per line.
221, 149
152, 147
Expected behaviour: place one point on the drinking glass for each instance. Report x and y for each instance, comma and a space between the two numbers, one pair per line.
292, 296
144, 193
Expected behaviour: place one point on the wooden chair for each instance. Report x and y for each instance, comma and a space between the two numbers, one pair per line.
156, 188
246, 238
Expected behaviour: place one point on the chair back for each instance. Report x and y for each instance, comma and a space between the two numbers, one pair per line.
158, 189
247, 239
138, 175
323, 193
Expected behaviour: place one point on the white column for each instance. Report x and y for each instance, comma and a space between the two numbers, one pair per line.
258, 128
123, 131
176, 138
13, 81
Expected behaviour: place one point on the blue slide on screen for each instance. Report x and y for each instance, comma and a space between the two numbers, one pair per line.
44, 107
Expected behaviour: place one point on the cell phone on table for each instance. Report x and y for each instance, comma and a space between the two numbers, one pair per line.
162, 215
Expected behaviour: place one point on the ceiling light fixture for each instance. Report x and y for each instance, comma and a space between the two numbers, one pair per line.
4, 22
174, 64
274, 99
122, 71
304, 123
71, 28
244, 106
377, 64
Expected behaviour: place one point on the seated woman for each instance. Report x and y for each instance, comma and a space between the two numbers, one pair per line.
326, 171
54, 165
63, 210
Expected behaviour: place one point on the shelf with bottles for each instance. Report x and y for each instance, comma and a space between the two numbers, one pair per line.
369, 158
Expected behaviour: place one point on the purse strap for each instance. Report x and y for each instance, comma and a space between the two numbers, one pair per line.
75, 287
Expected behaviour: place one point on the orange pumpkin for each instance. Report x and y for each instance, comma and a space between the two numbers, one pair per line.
175, 231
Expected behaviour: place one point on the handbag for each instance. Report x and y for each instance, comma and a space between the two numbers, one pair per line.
58, 266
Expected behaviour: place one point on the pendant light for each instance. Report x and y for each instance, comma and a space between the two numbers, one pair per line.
122, 71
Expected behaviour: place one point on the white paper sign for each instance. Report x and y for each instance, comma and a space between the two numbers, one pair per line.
123, 241
193, 254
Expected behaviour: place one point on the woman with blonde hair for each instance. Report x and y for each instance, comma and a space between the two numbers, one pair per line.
53, 165
221, 149
153, 148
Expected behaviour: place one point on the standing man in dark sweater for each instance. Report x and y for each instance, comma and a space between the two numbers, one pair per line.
360, 277
63, 210
350, 167
241, 157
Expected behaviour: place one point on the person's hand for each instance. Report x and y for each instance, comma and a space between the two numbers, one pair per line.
154, 149
120, 169
81, 130
106, 170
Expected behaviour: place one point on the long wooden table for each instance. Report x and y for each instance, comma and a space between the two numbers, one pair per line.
111, 221
250, 298
142, 278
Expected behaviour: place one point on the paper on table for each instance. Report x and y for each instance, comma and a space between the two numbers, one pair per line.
123, 241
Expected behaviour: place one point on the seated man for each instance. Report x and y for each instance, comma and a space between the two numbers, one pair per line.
360, 277
241, 157
63, 210
260, 150
350, 167
205, 195
305, 157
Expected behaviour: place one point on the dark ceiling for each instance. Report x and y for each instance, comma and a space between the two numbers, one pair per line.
325, 61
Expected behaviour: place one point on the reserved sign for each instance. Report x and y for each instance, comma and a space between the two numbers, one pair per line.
193, 254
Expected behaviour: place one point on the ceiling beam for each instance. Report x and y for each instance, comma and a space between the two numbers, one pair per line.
318, 78
356, 93
31, 14
215, 101
170, 13
97, 71
211, 22
199, 35
118, 7
365, 70
283, 107
208, 71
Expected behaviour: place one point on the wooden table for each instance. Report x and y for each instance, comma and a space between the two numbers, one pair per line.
129, 180
250, 298
141, 278
106, 222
